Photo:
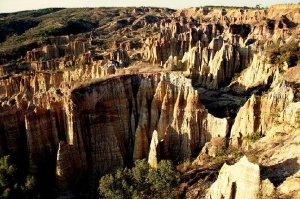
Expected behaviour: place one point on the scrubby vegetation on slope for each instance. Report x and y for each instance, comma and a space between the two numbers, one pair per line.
141, 181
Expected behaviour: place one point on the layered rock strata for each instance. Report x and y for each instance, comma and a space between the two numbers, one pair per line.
60, 46
66, 128
108, 124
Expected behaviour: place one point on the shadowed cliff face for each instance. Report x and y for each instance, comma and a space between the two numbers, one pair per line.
114, 121
108, 124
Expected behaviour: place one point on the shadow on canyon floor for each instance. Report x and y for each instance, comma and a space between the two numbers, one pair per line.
226, 101
278, 173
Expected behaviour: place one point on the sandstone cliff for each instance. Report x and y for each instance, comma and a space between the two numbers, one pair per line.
273, 117
108, 124
260, 74
259, 113
154, 151
210, 59
241, 180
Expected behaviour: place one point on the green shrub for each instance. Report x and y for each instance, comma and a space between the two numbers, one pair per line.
117, 26
139, 175
104, 21
280, 133
116, 185
253, 137
219, 159
11, 183
220, 154
141, 181
236, 153
164, 178
220, 151
253, 158
286, 53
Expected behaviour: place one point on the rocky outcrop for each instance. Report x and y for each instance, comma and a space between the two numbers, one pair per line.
178, 118
200, 50
292, 10
71, 110
258, 75
12, 129
226, 16
258, 113
43, 81
154, 151
214, 51
66, 171
31, 84
277, 158
213, 147
68, 53
62, 46
289, 187
241, 180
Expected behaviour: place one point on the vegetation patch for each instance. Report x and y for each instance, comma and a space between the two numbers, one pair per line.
13, 184
288, 53
141, 181
253, 137
221, 154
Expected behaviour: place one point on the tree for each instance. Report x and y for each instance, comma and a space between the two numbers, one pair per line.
12, 185
116, 185
140, 178
29, 188
164, 178
8, 184
141, 181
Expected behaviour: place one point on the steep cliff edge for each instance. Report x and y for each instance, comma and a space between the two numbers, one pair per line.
259, 75
276, 11
109, 124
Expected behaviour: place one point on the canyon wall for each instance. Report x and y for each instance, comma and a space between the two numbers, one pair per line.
107, 124
260, 74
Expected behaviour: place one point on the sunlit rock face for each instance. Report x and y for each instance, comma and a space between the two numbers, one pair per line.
260, 112
241, 180
210, 57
